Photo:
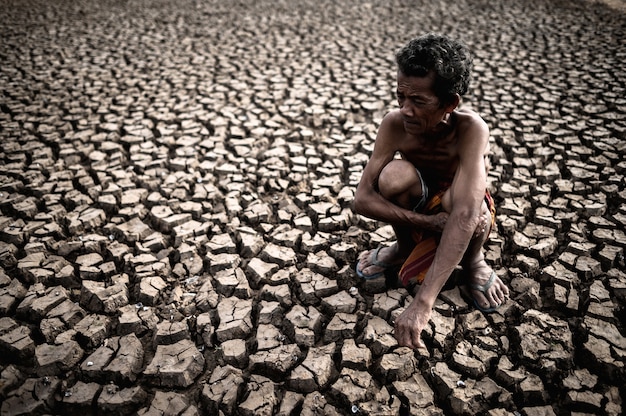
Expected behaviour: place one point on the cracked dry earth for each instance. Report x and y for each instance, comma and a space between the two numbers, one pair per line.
175, 227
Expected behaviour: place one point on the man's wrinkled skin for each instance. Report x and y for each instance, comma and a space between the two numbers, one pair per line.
445, 144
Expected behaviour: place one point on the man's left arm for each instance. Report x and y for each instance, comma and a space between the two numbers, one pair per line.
465, 198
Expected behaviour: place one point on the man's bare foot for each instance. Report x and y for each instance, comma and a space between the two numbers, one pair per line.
373, 263
486, 288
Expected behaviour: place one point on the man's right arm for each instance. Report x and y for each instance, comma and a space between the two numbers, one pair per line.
368, 201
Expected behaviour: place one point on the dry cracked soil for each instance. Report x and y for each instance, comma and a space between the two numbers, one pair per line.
176, 235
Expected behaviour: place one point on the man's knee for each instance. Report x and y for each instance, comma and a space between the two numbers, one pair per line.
399, 181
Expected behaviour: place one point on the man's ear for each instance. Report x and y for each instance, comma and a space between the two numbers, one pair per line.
453, 104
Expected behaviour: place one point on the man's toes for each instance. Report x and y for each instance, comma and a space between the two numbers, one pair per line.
364, 256
494, 301
364, 259
482, 299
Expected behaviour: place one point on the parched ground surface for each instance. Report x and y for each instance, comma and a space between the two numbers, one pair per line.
175, 226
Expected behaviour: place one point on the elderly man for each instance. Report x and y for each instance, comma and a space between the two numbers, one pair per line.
427, 177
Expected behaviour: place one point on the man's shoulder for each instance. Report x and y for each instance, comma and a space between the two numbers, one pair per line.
472, 132
391, 125
392, 118
470, 120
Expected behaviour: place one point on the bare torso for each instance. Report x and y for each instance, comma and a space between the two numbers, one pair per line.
437, 158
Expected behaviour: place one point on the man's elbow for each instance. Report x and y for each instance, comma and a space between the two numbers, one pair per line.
358, 206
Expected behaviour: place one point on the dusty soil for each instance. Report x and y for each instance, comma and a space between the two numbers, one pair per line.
175, 226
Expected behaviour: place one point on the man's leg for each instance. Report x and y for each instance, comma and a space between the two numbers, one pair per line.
479, 271
400, 183
475, 266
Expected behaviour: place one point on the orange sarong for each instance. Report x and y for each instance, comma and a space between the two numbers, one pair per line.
417, 264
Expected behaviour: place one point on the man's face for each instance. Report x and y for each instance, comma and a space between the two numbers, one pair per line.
419, 106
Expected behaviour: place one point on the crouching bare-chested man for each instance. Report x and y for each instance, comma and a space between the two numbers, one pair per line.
427, 177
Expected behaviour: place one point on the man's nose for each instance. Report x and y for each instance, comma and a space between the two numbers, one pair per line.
406, 109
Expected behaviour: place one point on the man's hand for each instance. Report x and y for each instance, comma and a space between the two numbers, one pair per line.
436, 222
484, 224
409, 325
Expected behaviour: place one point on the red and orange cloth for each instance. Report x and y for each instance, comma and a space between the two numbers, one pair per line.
417, 264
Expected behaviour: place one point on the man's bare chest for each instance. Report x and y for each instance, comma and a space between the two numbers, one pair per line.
438, 161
